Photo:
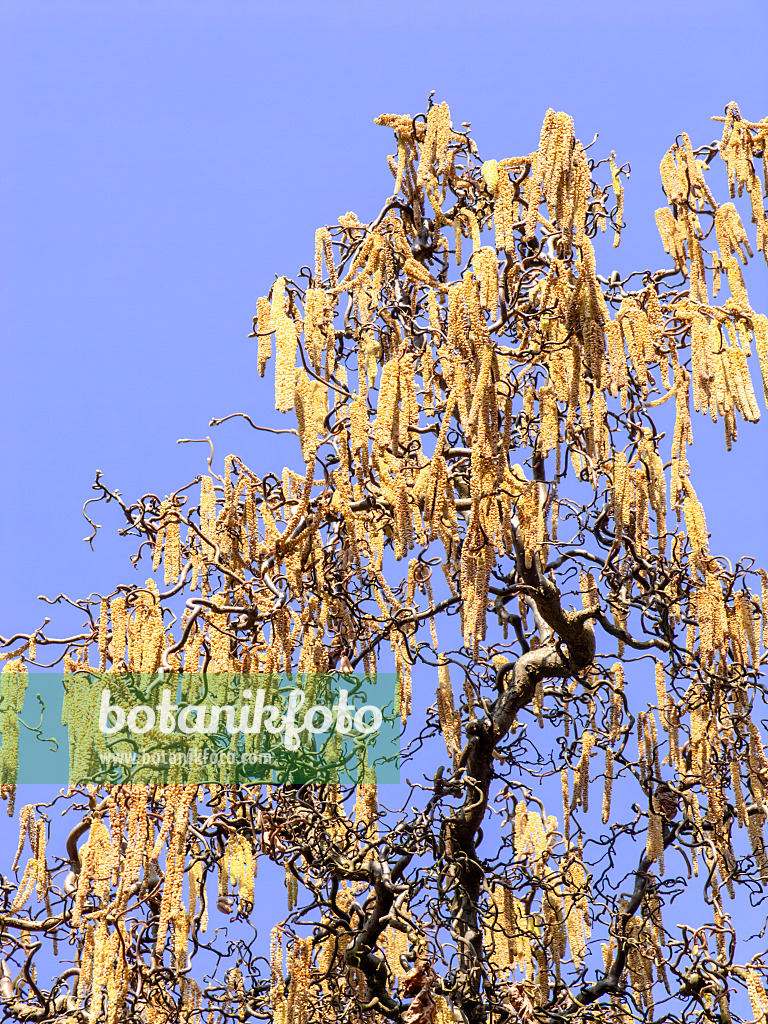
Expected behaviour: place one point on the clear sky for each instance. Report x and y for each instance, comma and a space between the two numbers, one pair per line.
162, 160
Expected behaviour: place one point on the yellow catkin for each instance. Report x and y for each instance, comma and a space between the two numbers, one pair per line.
366, 808
13, 685
731, 235
434, 149
757, 995
486, 272
736, 148
575, 906
318, 328
117, 612
286, 339
617, 701
581, 780
655, 841
497, 933
671, 236
264, 331
172, 550
635, 328
551, 170
760, 327
619, 193
450, 720
26, 828
86, 964
503, 209
490, 174
764, 605
608, 785
621, 490
661, 692
103, 634
42, 867
324, 254
695, 523
566, 803
276, 966
589, 593
291, 886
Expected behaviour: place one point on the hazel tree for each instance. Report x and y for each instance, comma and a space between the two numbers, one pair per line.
486, 500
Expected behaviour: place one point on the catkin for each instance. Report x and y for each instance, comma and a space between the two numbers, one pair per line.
635, 328
619, 193
581, 780
566, 803
695, 523
757, 996
575, 906
590, 595
172, 549
736, 151
486, 272
117, 612
286, 339
264, 331
730, 232
671, 237
655, 842
450, 719
608, 785
324, 253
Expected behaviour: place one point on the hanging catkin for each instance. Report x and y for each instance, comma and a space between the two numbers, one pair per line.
581, 780
450, 720
264, 331
286, 339
608, 789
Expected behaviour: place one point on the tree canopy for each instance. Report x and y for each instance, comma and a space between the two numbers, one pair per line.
494, 500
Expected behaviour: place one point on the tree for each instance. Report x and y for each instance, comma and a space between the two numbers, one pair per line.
488, 501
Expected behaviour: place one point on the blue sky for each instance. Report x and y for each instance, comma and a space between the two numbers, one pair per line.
161, 162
